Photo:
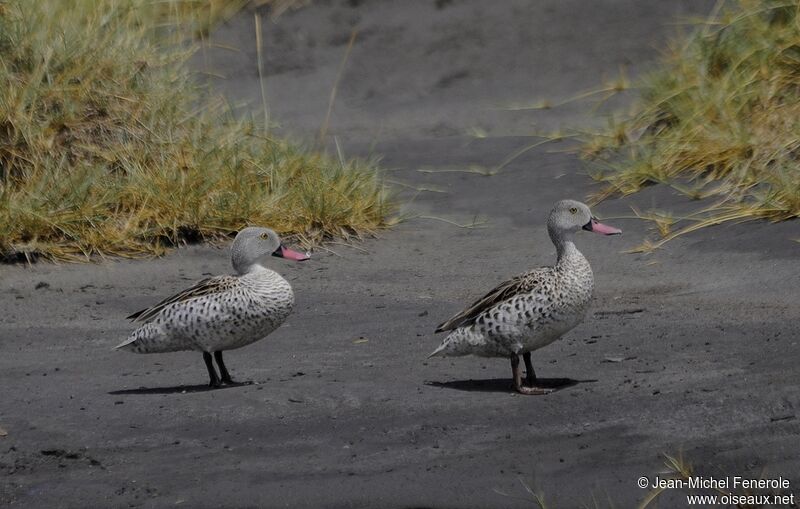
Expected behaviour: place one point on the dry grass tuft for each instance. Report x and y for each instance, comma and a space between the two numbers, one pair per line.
717, 121
108, 146
679, 468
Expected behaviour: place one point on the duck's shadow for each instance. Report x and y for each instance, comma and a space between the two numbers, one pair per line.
504, 384
177, 389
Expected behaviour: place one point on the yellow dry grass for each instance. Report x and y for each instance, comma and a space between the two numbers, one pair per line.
717, 122
109, 147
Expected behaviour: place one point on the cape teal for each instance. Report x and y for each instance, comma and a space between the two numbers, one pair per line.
533, 309
222, 312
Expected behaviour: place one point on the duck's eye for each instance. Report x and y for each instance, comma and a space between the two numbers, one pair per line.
264, 235
573, 210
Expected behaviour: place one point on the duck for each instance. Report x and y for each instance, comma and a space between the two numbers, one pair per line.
531, 310
223, 312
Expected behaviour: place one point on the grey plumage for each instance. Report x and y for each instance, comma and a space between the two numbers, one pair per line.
533, 309
525, 313
221, 312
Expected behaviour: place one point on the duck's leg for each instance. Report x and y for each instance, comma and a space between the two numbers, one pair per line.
212, 373
226, 377
516, 373
529, 372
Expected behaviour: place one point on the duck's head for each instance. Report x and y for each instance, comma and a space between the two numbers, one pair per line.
570, 216
254, 245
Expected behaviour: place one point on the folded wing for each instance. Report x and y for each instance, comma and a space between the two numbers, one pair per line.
208, 286
523, 283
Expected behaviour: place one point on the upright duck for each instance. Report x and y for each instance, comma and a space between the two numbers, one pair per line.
534, 309
222, 312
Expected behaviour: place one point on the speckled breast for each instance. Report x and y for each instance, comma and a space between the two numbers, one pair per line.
574, 289
259, 307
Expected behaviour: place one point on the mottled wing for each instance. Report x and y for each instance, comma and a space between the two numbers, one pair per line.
208, 286
523, 283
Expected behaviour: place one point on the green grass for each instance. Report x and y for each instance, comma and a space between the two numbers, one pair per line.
109, 147
719, 121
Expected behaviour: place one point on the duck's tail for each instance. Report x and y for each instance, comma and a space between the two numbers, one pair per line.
128, 344
454, 345
439, 351
150, 338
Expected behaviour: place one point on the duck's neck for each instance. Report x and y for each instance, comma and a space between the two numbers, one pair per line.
572, 269
566, 251
565, 248
254, 269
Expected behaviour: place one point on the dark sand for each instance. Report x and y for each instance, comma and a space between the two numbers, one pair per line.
702, 336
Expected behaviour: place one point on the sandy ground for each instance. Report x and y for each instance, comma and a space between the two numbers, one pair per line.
691, 349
